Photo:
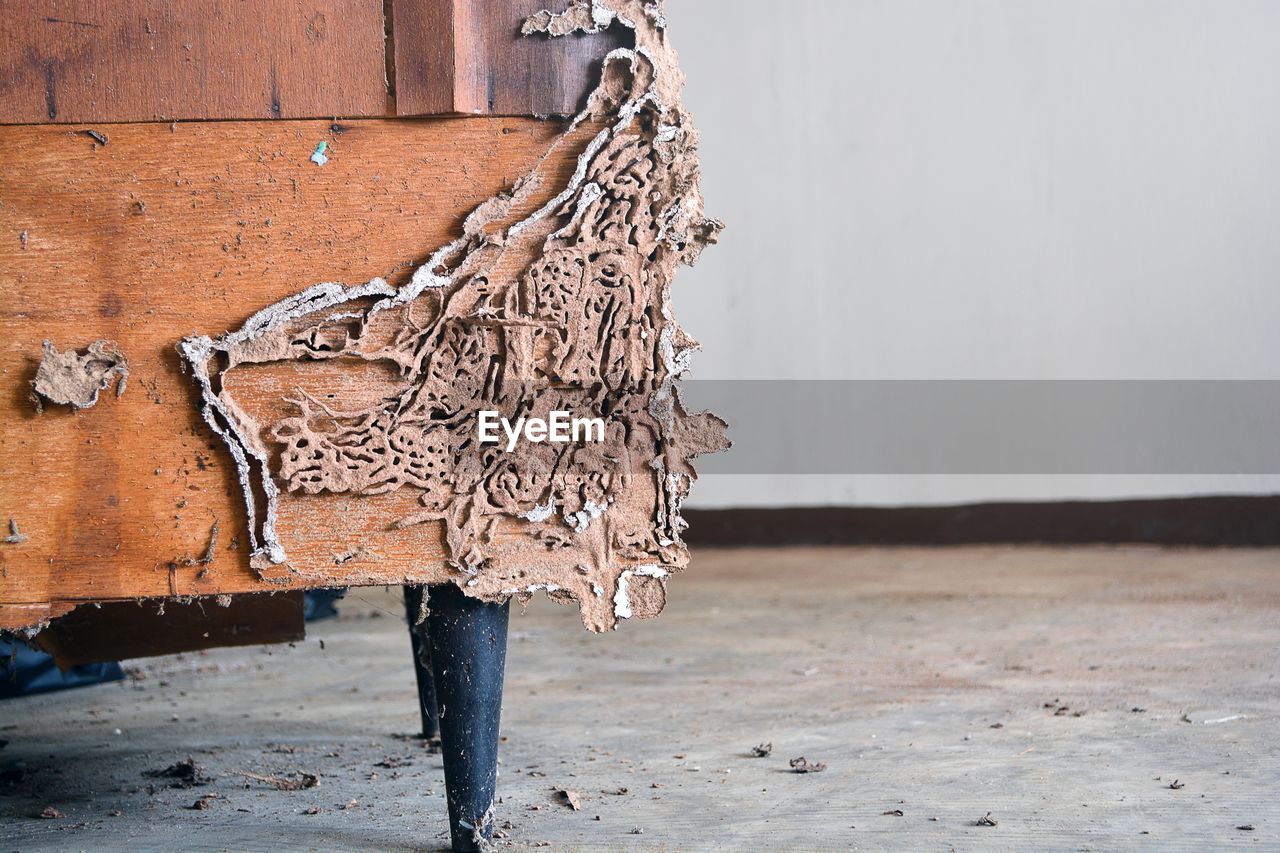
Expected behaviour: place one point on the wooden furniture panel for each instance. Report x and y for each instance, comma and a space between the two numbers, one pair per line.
142, 60
73, 61
460, 56
169, 231
123, 630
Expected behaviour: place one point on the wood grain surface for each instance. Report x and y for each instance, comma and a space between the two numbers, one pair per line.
73, 61
168, 231
456, 56
142, 60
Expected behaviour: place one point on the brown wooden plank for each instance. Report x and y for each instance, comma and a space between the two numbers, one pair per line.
423, 47
140, 60
168, 231
122, 630
459, 56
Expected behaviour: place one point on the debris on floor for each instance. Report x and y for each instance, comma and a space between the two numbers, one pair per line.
392, 762
888, 727
282, 783
204, 803
803, 765
185, 774
569, 798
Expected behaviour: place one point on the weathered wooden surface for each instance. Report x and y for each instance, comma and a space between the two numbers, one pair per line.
124, 630
423, 50
141, 60
459, 56
77, 61
168, 231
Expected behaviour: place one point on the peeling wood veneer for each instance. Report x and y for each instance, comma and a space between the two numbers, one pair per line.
563, 305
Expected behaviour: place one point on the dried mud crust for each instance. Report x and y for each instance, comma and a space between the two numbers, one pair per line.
567, 307
74, 379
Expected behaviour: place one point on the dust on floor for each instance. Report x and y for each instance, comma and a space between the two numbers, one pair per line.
972, 698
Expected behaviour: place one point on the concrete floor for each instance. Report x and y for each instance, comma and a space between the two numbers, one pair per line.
1086, 698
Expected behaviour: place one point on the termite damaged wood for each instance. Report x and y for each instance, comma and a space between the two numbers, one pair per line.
172, 229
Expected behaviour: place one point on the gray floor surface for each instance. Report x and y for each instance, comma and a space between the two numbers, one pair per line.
1086, 698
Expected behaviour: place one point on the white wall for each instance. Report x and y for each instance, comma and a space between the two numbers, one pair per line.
1056, 189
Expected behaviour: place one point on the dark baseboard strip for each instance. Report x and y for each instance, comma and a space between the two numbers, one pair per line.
1241, 521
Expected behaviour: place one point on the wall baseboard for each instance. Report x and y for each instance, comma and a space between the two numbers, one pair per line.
1241, 521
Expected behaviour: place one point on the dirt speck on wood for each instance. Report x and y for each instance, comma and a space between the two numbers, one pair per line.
74, 379
16, 536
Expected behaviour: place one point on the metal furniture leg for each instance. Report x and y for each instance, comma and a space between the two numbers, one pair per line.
422, 663
468, 645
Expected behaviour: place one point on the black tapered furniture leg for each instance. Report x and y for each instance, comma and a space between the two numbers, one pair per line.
468, 656
422, 662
